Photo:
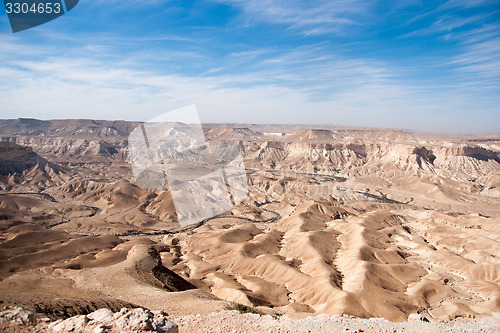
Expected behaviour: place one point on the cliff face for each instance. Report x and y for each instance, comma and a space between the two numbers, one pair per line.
15, 159
20, 165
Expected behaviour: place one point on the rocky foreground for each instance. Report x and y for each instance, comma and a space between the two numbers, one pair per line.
102, 320
17, 319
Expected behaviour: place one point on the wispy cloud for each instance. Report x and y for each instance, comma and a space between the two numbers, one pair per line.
467, 3
323, 17
481, 60
469, 34
447, 23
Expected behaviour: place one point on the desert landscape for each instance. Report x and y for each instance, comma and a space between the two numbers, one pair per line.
342, 224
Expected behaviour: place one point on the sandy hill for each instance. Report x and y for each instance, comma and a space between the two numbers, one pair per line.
62, 275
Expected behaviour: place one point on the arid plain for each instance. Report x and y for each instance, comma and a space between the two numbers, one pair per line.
368, 223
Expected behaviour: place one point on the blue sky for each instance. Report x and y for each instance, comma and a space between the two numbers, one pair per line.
414, 64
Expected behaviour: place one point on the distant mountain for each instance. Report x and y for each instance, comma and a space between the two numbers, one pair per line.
24, 126
228, 133
312, 135
384, 135
76, 128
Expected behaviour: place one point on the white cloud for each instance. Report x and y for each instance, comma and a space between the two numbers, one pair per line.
324, 16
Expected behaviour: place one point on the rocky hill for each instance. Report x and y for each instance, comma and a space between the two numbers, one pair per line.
20, 165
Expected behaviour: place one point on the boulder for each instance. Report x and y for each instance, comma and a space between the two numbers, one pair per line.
74, 324
18, 315
141, 319
101, 316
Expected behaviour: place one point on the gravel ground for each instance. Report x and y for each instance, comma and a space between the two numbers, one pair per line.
233, 321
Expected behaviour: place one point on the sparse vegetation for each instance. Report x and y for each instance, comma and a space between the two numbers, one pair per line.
242, 308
